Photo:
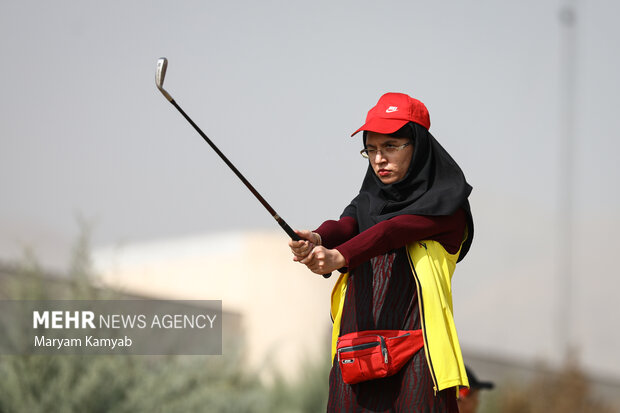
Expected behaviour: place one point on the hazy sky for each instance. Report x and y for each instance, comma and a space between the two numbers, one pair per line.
279, 86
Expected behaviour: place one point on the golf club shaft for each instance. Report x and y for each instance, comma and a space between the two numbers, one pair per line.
258, 196
289, 231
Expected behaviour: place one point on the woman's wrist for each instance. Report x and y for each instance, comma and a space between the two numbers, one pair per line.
317, 238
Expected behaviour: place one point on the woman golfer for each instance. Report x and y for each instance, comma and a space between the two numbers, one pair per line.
394, 343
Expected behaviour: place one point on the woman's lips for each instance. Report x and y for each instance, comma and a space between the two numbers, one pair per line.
384, 172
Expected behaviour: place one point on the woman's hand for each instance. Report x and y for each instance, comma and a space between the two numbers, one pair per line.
320, 260
302, 248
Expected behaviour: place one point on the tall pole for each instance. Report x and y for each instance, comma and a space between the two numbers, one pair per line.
567, 78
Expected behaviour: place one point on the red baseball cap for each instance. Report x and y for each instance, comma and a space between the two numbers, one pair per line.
393, 111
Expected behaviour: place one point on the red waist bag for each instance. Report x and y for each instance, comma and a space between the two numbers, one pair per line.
373, 354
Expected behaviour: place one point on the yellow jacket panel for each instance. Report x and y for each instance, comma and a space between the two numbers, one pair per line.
432, 267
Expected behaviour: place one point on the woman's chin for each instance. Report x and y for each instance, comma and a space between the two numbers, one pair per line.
387, 180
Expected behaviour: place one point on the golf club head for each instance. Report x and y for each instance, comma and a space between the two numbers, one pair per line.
162, 65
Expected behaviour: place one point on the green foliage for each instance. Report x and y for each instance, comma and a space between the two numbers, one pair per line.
119, 384
306, 395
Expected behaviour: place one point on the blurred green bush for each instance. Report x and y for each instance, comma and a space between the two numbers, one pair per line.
123, 384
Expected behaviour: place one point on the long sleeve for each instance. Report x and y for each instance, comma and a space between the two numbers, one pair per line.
399, 231
334, 233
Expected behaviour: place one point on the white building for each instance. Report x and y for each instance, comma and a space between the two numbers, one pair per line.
284, 307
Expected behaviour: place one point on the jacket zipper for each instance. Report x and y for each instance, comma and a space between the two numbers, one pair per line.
422, 321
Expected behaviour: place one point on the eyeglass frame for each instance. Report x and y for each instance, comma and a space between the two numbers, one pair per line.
366, 155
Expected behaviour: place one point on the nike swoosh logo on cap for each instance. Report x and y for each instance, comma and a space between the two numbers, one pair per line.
391, 109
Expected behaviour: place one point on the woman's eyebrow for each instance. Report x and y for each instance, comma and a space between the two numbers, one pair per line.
388, 142
392, 142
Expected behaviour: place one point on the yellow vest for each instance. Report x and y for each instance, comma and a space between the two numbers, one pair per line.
432, 267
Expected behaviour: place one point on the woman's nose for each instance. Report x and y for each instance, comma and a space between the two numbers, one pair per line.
379, 158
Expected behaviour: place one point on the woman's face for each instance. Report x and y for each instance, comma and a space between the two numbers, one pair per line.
390, 165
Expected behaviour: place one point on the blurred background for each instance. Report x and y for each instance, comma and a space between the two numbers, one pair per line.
522, 94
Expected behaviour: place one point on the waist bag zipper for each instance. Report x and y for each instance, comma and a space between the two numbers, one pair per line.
384, 349
356, 347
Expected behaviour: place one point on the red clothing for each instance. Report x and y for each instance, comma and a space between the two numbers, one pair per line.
394, 233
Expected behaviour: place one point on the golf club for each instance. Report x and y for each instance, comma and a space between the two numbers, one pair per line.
162, 65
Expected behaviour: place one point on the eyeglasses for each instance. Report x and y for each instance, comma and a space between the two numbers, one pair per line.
386, 150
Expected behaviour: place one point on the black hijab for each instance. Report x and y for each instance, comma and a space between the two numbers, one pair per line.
433, 185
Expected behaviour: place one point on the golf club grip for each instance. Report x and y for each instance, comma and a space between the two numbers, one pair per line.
293, 235
289, 231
